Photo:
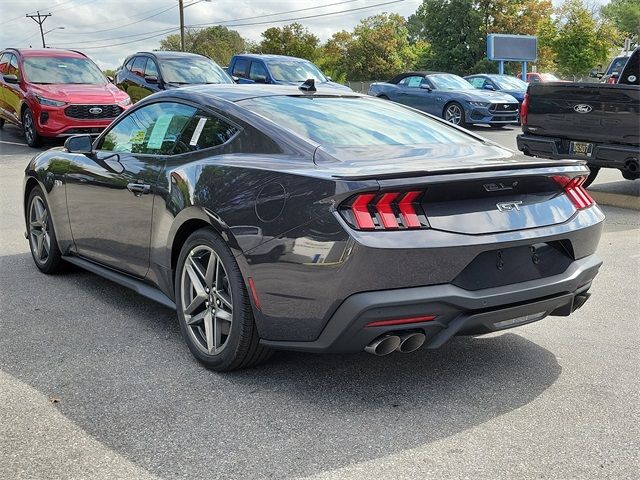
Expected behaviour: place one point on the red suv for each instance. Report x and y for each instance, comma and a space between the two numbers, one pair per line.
56, 93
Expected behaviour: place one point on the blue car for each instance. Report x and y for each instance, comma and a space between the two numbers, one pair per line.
450, 97
277, 70
499, 83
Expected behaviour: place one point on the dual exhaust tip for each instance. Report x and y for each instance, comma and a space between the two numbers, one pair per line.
404, 343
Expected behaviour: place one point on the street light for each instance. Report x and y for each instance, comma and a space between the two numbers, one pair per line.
44, 33
182, 7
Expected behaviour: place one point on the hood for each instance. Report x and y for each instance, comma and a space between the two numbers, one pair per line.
81, 93
517, 94
477, 95
410, 160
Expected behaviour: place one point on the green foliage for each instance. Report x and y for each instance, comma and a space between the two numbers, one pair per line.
624, 15
218, 43
294, 40
109, 73
581, 41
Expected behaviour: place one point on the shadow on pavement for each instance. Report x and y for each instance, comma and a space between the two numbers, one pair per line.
123, 374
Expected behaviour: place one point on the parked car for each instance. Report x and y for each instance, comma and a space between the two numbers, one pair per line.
405, 230
56, 93
535, 77
450, 97
500, 83
278, 70
145, 73
595, 122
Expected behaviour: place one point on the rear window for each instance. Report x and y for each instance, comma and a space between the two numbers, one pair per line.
354, 121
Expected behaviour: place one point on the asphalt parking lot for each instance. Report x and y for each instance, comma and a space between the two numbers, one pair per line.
95, 382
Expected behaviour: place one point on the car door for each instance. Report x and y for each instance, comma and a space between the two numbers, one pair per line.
12, 92
258, 72
110, 194
137, 87
4, 67
409, 92
240, 70
152, 72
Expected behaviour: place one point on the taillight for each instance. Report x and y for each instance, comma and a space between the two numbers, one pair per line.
524, 109
385, 211
575, 191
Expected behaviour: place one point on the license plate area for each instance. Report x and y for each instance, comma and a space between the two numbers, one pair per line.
581, 149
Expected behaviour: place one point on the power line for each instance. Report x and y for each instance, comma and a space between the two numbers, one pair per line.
166, 31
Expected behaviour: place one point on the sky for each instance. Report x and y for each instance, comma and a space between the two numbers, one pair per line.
110, 30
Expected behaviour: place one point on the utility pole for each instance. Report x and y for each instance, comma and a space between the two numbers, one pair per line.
41, 18
181, 6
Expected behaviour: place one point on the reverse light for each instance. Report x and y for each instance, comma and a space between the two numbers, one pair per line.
575, 191
385, 211
401, 321
49, 102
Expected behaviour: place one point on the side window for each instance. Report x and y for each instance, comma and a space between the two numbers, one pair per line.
240, 68
129, 64
13, 66
152, 129
477, 82
257, 70
4, 64
412, 82
204, 131
151, 70
138, 66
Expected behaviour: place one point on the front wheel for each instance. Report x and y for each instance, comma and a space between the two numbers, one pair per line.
29, 130
213, 305
42, 237
454, 113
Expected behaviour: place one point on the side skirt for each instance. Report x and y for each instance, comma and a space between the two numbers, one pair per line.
134, 284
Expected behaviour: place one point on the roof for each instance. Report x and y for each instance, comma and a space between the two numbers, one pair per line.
170, 54
421, 73
238, 92
47, 52
270, 56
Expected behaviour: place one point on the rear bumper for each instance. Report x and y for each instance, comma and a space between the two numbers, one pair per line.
603, 155
456, 310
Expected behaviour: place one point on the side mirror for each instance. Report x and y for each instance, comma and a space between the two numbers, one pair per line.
151, 79
426, 87
260, 79
110, 78
10, 78
79, 144
235, 79
489, 87
329, 79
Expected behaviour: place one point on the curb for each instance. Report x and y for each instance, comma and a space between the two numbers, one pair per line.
616, 200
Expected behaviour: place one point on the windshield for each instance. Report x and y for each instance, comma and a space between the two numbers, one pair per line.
549, 77
509, 83
617, 65
183, 71
295, 71
354, 121
449, 82
61, 70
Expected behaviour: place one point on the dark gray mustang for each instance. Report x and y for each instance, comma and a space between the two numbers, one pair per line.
289, 218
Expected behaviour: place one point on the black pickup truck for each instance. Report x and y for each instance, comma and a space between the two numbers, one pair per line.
598, 123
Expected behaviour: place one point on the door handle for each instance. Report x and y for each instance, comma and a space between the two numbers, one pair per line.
138, 188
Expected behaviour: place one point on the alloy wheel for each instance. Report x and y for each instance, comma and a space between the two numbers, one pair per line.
453, 114
29, 127
206, 300
39, 230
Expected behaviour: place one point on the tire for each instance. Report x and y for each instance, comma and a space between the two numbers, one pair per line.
630, 175
454, 113
29, 130
592, 176
383, 97
42, 236
213, 305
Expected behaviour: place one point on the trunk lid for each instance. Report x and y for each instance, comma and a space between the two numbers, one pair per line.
590, 112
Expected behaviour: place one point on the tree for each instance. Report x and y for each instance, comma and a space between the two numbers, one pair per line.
581, 42
218, 43
333, 57
293, 39
380, 48
624, 15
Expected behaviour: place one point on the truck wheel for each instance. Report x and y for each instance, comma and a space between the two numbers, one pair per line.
630, 175
592, 176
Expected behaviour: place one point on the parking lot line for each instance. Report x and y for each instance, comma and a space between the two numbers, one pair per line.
13, 143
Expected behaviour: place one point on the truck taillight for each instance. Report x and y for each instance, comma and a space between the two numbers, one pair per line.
385, 211
575, 191
524, 109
